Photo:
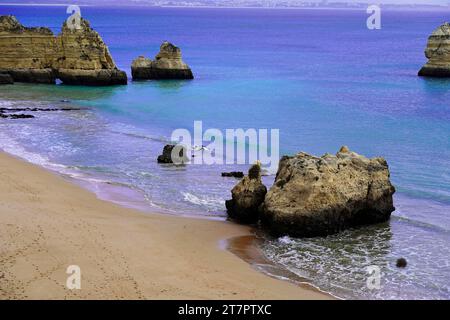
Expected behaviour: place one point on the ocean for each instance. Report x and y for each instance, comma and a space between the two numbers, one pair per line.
319, 76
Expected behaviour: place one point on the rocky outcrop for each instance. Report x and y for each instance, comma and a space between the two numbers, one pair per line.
16, 116
75, 56
167, 65
315, 196
438, 53
32, 75
6, 79
141, 68
246, 197
103, 77
11, 113
27, 54
173, 154
233, 174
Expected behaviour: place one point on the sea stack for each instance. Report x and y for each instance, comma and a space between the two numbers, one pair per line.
36, 55
318, 196
167, 65
438, 53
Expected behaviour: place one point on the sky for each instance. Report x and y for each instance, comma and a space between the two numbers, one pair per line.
434, 2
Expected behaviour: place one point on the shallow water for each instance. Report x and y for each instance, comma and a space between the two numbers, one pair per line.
320, 77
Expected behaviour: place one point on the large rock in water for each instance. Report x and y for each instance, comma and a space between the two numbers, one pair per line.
247, 196
315, 196
438, 53
167, 65
77, 56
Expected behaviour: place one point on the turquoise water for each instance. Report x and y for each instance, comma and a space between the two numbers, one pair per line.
321, 77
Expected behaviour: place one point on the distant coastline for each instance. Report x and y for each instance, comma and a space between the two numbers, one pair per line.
41, 5
358, 6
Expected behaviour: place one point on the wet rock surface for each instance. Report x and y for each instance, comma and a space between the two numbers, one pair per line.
5, 78
247, 196
233, 174
10, 113
175, 154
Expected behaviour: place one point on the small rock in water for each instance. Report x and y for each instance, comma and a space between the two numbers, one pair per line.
401, 263
233, 174
166, 156
21, 116
15, 116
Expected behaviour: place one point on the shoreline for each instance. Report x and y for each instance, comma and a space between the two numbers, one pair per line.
247, 248
48, 223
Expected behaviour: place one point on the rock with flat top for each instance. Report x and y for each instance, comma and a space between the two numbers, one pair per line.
319, 196
166, 65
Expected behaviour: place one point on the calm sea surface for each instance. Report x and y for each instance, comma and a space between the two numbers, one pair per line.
320, 76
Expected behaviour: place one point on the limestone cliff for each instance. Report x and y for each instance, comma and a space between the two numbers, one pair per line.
438, 53
168, 64
76, 56
27, 54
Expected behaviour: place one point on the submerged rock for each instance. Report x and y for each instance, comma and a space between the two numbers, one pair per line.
233, 174
16, 116
21, 116
6, 79
315, 196
401, 263
247, 196
77, 56
6, 112
438, 53
173, 154
167, 65
38, 109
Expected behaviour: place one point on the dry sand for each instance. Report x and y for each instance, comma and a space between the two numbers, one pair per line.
48, 223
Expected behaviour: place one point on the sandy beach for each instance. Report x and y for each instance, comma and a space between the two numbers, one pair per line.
48, 223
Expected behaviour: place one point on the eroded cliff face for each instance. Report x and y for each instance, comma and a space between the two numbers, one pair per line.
167, 64
76, 56
27, 54
438, 53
